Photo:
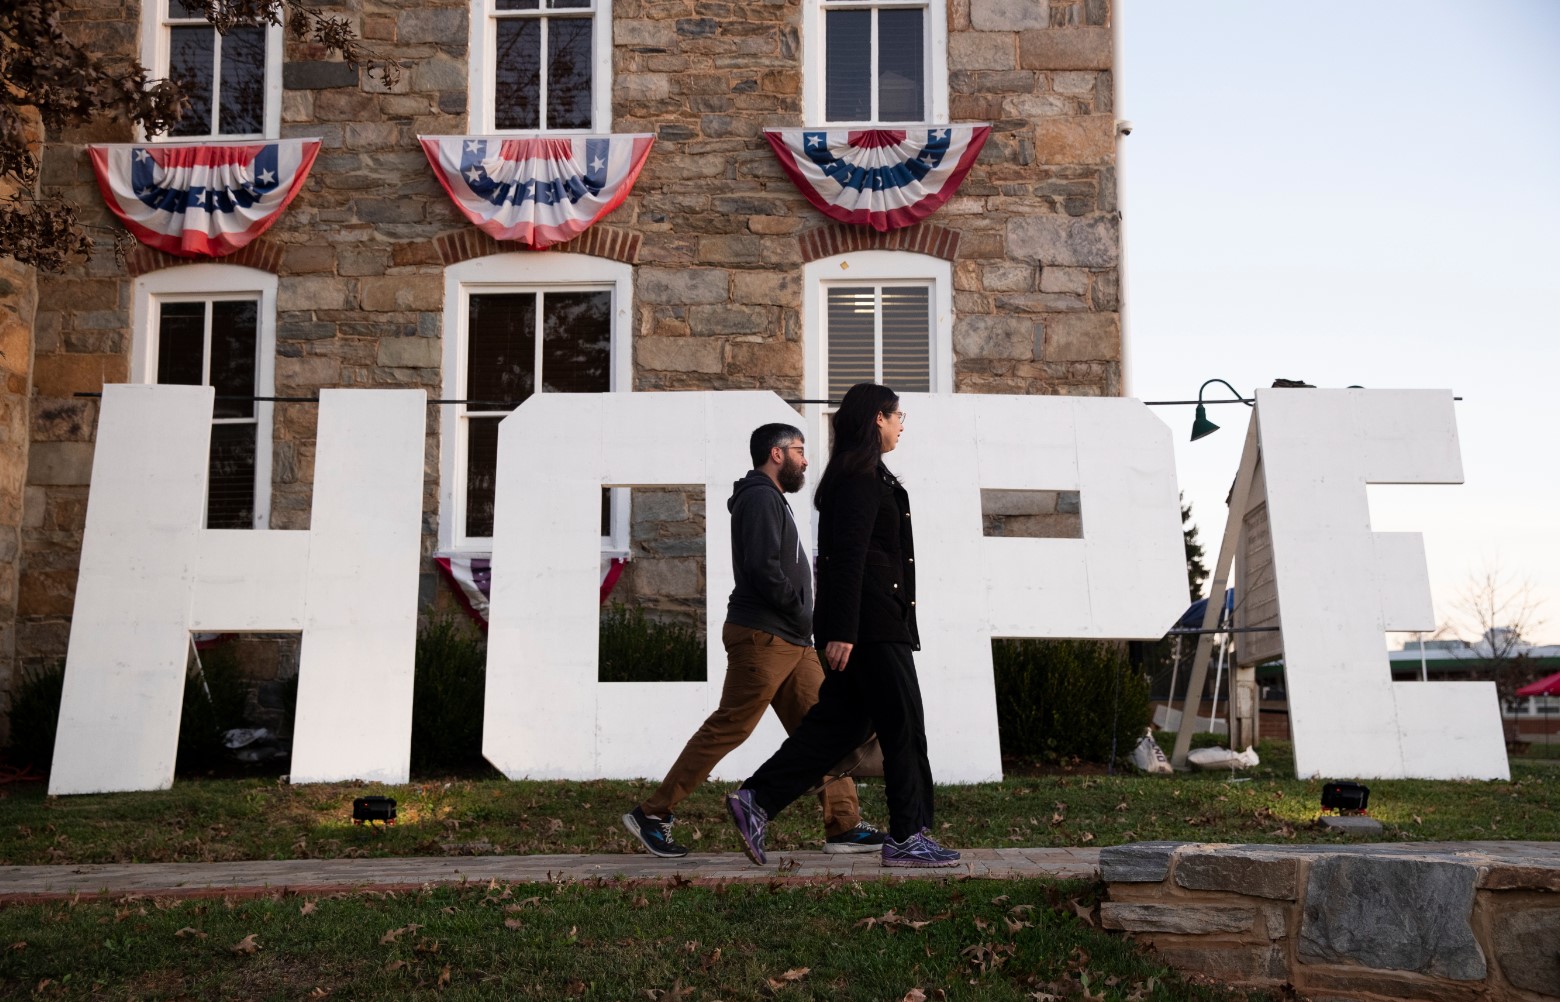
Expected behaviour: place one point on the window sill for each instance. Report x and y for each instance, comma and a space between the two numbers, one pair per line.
608, 551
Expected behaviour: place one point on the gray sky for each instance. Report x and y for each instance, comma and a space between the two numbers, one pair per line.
1357, 194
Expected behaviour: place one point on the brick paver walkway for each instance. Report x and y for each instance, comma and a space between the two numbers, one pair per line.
328, 875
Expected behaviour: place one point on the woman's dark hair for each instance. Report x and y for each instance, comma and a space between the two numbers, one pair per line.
858, 446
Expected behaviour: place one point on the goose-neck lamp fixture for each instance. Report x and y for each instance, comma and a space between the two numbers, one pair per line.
1201, 426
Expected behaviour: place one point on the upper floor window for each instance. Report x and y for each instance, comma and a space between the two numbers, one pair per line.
518, 324
541, 66
214, 325
233, 81
876, 62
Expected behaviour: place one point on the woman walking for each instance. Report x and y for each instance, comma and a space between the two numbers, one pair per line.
864, 623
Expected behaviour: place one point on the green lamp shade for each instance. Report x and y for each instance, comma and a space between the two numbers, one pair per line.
1201, 426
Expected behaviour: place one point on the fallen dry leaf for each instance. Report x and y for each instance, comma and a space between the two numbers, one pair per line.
513, 923
914, 995
794, 974
395, 965
1085, 912
247, 945
307, 908
20, 944
444, 976
190, 931
319, 992
390, 937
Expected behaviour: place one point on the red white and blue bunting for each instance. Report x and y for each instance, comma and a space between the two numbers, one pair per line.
537, 191
882, 178
472, 577
201, 199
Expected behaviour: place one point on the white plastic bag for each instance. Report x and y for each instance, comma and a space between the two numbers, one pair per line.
1222, 758
1148, 756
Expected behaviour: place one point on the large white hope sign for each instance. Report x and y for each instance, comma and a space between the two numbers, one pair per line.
1341, 585
548, 716
150, 574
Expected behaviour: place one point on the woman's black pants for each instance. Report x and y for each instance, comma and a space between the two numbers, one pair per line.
876, 691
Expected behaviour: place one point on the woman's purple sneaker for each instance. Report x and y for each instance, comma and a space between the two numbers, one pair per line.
750, 820
919, 849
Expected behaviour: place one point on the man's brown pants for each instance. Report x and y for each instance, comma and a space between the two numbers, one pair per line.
761, 671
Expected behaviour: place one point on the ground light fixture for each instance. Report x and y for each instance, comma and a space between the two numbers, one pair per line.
1345, 798
1201, 426
373, 811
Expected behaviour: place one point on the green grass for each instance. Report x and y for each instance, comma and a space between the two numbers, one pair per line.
954, 940
266, 819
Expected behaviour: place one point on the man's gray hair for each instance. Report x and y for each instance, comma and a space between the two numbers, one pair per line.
767, 436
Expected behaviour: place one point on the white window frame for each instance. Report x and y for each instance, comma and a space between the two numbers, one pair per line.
872, 267
155, 45
204, 283
521, 272
814, 63
484, 47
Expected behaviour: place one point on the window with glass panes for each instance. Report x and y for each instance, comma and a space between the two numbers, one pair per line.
224, 76
541, 65
876, 61
216, 342
878, 333
553, 340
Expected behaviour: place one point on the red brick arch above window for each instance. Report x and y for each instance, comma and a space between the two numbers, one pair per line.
264, 254
598, 241
923, 238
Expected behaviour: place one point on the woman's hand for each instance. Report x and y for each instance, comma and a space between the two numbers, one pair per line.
837, 653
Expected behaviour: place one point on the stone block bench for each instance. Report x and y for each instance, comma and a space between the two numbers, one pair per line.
1443, 921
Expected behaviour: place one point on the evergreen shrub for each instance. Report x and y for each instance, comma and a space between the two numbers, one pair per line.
35, 714
447, 696
1056, 699
635, 648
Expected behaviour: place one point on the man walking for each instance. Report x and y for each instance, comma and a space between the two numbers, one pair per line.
770, 660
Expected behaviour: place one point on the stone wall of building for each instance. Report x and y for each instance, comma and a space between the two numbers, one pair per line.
715, 232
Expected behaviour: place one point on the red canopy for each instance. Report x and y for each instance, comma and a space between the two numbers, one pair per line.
1543, 687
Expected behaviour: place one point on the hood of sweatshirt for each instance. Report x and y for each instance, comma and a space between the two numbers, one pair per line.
753, 481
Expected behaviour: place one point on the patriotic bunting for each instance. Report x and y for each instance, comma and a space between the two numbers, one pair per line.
201, 199
537, 191
473, 580
882, 178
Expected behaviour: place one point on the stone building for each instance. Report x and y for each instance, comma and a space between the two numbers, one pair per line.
714, 273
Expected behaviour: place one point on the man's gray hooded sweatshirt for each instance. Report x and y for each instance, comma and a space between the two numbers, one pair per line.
774, 591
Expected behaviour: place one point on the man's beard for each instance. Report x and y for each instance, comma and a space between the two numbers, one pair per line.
791, 476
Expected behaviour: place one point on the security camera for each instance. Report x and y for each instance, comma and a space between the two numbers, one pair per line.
1123, 128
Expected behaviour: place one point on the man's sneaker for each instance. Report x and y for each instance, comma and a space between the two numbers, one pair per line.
750, 820
862, 838
654, 834
919, 849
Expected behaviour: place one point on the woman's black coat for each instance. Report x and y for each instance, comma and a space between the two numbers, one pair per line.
866, 563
